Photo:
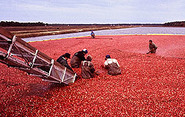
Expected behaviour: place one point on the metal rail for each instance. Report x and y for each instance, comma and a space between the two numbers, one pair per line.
19, 54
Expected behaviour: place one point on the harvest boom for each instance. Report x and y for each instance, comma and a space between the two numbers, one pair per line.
19, 54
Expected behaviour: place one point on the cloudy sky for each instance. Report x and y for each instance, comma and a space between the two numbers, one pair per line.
93, 11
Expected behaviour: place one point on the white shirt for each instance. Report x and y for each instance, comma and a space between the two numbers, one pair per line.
88, 63
110, 61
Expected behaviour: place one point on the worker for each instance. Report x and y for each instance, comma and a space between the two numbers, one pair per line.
92, 34
152, 47
63, 60
77, 58
112, 66
87, 70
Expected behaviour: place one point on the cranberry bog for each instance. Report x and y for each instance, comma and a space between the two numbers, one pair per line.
150, 84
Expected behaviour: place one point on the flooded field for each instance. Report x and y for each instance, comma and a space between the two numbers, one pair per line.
168, 46
126, 31
148, 85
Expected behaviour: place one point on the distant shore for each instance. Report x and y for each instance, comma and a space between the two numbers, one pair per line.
25, 30
34, 31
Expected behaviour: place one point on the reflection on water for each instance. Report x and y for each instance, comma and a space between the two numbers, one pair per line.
138, 30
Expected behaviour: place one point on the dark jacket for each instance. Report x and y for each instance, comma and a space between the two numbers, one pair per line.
152, 48
92, 35
76, 59
63, 62
87, 69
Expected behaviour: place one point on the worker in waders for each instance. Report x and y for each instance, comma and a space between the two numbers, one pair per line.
112, 66
63, 60
87, 70
77, 58
92, 34
152, 47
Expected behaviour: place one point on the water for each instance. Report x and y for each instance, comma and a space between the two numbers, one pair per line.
125, 31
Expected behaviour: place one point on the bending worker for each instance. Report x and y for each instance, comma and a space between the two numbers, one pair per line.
112, 66
87, 68
152, 47
92, 34
63, 60
77, 58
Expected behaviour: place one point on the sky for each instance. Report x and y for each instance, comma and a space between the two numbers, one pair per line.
92, 11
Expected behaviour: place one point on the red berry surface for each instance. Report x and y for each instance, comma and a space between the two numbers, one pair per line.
150, 84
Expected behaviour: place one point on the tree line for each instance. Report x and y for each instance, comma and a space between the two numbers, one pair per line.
12, 23
176, 24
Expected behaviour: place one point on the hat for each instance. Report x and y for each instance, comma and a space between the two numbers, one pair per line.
89, 58
107, 56
67, 55
85, 51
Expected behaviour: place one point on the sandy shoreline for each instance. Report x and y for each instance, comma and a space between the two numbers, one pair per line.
35, 31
